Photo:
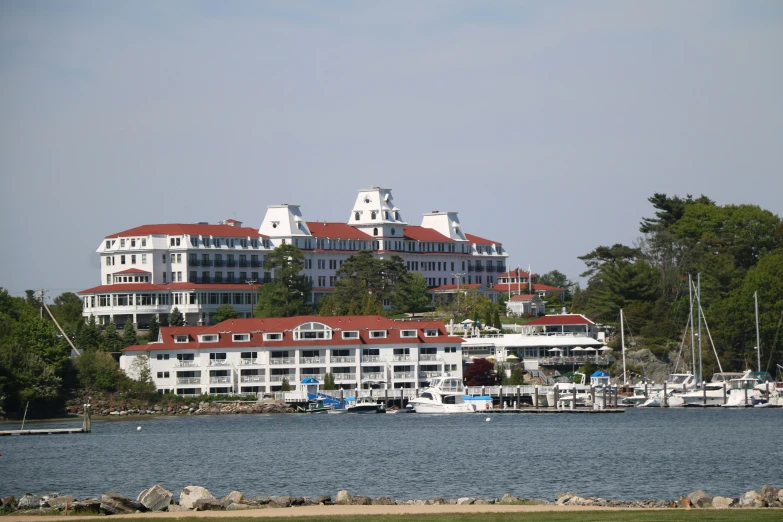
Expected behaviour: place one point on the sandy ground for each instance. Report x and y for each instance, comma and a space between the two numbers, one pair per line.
315, 511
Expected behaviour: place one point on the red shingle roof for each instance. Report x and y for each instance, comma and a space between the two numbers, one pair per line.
285, 325
132, 271
417, 233
473, 286
480, 240
120, 288
565, 319
523, 297
541, 288
513, 273
193, 229
335, 231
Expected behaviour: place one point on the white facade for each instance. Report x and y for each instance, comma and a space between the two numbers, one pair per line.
151, 269
251, 356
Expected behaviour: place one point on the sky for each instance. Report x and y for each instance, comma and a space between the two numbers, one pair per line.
546, 125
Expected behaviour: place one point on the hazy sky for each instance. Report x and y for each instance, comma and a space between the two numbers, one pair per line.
546, 125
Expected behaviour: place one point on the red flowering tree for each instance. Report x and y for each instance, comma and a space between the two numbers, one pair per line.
481, 372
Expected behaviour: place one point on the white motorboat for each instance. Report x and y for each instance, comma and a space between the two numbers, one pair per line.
443, 395
365, 405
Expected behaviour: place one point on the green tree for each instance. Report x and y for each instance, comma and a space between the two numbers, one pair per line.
176, 318
517, 378
362, 274
410, 295
97, 370
138, 384
112, 342
285, 385
89, 337
67, 309
287, 295
555, 278
129, 337
329, 381
224, 312
154, 331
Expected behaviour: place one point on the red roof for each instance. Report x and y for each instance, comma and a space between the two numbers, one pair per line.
193, 229
480, 240
513, 273
564, 319
149, 287
516, 287
285, 326
417, 233
473, 286
132, 271
523, 297
546, 288
335, 231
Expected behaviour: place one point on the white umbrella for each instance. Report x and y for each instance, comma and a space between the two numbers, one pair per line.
555, 350
588, 349
512, 357
577, 349
605, 349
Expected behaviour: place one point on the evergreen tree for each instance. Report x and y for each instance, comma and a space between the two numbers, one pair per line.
410, 294
176, 318
284, 385
517, 378
154, 331
287, 295
112, 342
129, 337
329, 381
224, 312
89, 337
371, 305
496, 320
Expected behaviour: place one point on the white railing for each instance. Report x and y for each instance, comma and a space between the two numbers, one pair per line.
373, 358
429, 375
579, 359
218, 362
282, 360
344, 377
181, 364
247, 362
279, 378
251, 378
319, 376
507, 390
402, 358
428, 357
344, 359
313, 360
373, 376
405, 375
188, 380
220, 380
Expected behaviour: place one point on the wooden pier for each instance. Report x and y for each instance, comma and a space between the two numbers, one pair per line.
86, 427
552, 410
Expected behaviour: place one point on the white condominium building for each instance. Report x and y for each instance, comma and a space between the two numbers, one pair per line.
151, 269
252, 356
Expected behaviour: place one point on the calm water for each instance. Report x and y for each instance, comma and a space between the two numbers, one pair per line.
660, 454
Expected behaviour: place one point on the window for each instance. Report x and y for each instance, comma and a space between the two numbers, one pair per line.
108, 279
122, 260
374, 231
273, 336
450, 349
179, 258
163, 375
397, 216
378, 334
143, 242
163, 257
133, 259
351, 335
209, 338
144, 259
217, 356
241, 338
122, 243
179, 277
408, 333
393, 231
355, 217
180, 338
431, 332
312, 331
162, 357
108, 261
372, 214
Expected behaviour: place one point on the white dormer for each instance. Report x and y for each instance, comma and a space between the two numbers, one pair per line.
283, 221
375, 213
447, 223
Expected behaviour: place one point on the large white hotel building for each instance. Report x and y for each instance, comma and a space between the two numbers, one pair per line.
151, 269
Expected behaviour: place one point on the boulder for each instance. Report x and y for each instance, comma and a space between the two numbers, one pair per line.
261, 499
323, 499
238, 506
438, 501
114, 504
29, 501
88, 505
683, 502
282, 501
176, 508
343, 497
780, 496
231, 498
700, 499
156, 498
465, 500
752, 499
508, 498
360, 500
769, 494
190, 494
723, 502
60, 502
8, 502
208, 504
483, 502
382, 501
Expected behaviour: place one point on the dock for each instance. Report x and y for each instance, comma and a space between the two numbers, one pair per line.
85, 428
552, 410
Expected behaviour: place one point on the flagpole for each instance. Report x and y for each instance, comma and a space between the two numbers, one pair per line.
529, 280
519, 281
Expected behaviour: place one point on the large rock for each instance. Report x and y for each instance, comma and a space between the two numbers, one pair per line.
190, 494
361, 501
683, 502
343, 497
238, 506
261, 499
208, 504
282, 500
323, 499
508, 498
769, 494
752, 499
724, 502
465, 501
700, 499
87, 505
114, 504
29, 501
61, 502
156, 498
231, 498
383, 501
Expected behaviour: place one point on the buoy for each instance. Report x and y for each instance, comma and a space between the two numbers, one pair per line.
138, 428
488, 419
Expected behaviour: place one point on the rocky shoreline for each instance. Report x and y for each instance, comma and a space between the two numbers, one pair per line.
196, 498
108, 408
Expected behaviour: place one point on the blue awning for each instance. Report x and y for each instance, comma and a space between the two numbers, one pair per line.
600, 373
309, 380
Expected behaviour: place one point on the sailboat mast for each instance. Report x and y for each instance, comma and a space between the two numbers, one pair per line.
693, 340
622, 342
758, 339
698, 302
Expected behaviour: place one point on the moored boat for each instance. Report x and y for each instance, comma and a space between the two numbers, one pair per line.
444, 395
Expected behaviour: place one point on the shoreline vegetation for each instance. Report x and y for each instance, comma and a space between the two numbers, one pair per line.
195, 500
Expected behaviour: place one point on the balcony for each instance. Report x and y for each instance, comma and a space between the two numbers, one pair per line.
402, 358
430, 375
405, 375
282, 360
243, 264
343, 359
231, 263
318, 376
470, 268
500, 269
188, 380
182, 364
251, 378
248, 362
373, 358
312, 360
218, 362
479, 268
220, 380
256, 264
220, 262
194, 262
344, 377
279, 378
428, 357
206, 262
372, 376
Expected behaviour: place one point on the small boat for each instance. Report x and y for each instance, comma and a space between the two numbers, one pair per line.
443, 395
318, 406
365, 405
